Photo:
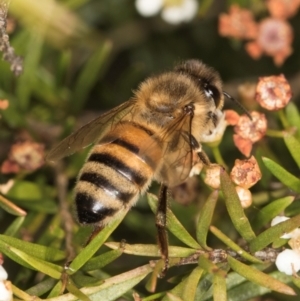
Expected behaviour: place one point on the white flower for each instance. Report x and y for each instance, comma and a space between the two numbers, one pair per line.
212, 176
279, 219
173, 12
148, 8
245, 196
5, 286
3, 274
184, 12
288, 262
5, 291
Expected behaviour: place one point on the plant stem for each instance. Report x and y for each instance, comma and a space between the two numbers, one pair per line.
283, 119
218, 156
275, 133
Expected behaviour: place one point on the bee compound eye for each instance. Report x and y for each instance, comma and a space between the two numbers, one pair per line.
212, 92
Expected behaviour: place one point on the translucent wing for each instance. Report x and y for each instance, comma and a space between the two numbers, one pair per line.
90, 132
179, 156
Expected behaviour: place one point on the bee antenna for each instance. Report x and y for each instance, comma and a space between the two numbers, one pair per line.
238, 103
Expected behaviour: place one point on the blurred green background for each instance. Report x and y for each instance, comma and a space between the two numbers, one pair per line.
83, 57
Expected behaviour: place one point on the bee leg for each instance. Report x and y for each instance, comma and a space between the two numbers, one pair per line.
204, 158
97, 229
65, 276
161, 222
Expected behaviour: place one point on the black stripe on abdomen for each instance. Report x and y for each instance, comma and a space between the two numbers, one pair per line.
103, 183
119, 166
90, 211
129, 146
136, 150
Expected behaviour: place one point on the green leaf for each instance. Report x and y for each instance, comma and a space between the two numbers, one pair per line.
296, 281
293, 146
38, 251
154, 297
210, 267
271, 234
293, 116
191, 283
174, 225
234, 208
42, 287
232, 245
31, 63
95, 244
181, 288
259, 277
12, 115
10, 207
42, 266
102, 260
279, 243
89, 75
56, 290
282, 175
24, 296
249, 290
113, 287
14, 226
233, 279
205, 288
273, 209
71, 287
171, 297
219, 288
25, 191
205, 218
150, 250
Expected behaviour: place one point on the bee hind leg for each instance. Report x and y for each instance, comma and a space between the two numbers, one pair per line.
161, 222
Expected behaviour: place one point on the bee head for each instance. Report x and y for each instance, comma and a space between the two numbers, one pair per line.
206, 78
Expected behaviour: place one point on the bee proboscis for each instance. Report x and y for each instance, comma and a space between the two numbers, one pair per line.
156, 135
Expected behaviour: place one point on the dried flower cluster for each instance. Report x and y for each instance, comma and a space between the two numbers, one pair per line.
283, 9
212, 176
247, 131
273, 92
272, 36
239, 24
24, 156
245, 174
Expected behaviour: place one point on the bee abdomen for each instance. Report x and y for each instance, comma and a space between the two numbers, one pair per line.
91, 211
116, 172
103, 183
117, 164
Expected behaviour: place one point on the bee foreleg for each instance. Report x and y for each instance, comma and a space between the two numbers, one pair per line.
161, 222
204, 158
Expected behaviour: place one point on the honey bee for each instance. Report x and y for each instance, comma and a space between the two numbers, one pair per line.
156, 135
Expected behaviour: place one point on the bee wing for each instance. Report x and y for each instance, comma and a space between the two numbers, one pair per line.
179, 156
90, 132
